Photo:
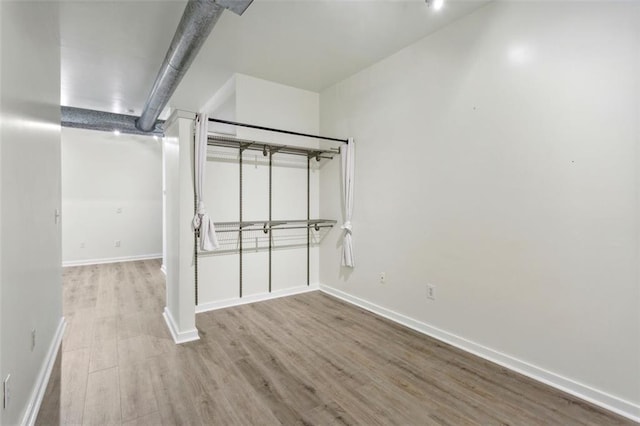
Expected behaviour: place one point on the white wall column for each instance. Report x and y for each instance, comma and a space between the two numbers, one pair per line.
178, 157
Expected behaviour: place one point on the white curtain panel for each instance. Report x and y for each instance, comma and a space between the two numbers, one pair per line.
347, 154
201, 221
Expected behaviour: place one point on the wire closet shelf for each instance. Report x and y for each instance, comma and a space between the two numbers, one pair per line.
270, 148
270, 225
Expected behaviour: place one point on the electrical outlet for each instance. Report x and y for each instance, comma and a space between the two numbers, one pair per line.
383, 277
6, 392
117, 243
33, 339
81, 245
119, 210
431, 291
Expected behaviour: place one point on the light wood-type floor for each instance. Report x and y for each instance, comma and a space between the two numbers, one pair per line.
301, 360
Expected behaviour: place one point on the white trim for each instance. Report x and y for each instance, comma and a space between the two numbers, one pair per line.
31, 413
597, 397
227, 303
179, 336
111, 260
163, 269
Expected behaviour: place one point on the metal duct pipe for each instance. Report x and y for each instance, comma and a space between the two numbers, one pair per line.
105, 121
198, 19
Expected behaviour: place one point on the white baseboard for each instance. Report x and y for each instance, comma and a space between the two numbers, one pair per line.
179, 336
85, 262
212, 306
31, 413
602, 399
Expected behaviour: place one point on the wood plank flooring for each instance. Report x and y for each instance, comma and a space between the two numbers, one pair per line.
303, 360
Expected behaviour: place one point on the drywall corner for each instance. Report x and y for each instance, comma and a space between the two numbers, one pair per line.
222, 96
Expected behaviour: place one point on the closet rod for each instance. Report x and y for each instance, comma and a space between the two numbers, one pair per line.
271, 129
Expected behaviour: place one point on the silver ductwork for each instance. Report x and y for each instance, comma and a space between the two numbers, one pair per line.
198, 19
104, 121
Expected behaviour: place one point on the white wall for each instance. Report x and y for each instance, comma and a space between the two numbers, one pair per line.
30, 282
111, 190
497, 159
268, 104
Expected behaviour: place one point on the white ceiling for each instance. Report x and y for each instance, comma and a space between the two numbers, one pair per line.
112, 50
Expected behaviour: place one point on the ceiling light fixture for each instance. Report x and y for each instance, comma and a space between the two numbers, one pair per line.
436, 4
